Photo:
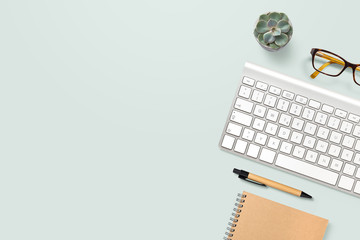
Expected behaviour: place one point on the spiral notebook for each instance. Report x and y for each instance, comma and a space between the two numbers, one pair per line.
257, 218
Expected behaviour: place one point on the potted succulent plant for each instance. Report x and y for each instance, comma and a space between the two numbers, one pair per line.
273, 30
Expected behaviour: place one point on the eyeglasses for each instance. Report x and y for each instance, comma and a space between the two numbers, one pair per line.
333, 65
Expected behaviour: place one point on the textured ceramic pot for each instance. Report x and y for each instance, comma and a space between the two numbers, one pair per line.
273, 30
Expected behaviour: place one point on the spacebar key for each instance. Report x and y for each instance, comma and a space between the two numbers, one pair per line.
306, 169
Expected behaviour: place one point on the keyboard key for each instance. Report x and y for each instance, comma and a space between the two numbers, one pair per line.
301, 99
348, 141
258, 124
336, 165
271, 128
334, 150
240, 146
297, 124
358, 173
248, 81
308, 114
267, 155
286, 147
357, 146
354, 118
270, 100
321, 146
296, 137
357, 159
259, 111
349, 169
228, 142
347, 155
327, 108
357, 187
248, 134
309, 142
346, 183
272, 115
334, 123
346, 127
323, 133
310, 128
340, 113
244, 92
244, 105
324, 160
306, 169
274, 90
260, 138
233, 129
321, 118
241, 118
285, 119
284, 133
261, 85
273, 143
357, 131
283, 105
314, 104
295, 109
311, 156
299, 152
253, 151
288, 95
335, 137
257, 96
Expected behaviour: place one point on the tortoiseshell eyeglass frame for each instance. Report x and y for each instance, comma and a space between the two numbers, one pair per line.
321, 53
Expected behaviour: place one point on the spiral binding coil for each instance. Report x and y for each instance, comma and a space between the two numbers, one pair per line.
235, 215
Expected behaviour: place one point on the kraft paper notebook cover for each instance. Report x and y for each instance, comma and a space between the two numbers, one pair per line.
257, 218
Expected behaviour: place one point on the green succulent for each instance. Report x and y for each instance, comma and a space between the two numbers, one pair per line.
273, 30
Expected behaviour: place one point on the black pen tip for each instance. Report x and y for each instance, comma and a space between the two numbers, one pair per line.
305, 195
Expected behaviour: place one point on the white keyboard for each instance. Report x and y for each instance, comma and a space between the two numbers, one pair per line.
297, 127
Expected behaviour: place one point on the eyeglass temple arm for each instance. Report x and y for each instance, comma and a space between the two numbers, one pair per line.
314, 75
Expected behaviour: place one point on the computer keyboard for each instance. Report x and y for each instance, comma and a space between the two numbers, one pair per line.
297, 127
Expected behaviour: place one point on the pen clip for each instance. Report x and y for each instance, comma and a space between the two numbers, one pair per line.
252, 181
244, 176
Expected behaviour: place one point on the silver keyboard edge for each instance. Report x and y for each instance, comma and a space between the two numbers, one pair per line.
258, 73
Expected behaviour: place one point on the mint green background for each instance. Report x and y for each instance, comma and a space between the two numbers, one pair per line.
111, 112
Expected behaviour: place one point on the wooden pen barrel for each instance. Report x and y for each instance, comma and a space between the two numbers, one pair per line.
273, 184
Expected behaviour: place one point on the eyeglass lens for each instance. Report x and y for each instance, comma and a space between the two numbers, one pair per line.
329, 63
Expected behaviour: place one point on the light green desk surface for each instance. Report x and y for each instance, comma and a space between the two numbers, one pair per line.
111, 112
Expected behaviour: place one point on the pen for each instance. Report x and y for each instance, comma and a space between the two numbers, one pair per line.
267, 182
